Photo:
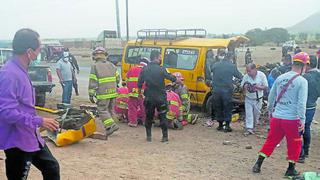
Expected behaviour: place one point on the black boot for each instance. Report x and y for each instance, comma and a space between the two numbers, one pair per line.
227, 128
257, 166
291, 171
164, 134
220, 127
149, 137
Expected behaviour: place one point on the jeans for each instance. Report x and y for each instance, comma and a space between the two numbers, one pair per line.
307, 133
18, 163
67, 92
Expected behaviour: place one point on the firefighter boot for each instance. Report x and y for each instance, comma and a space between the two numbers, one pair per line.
111, 129
257, 166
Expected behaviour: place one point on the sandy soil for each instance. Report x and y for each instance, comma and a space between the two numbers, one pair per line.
197, 152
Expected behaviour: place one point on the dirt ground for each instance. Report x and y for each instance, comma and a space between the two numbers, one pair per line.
196, 152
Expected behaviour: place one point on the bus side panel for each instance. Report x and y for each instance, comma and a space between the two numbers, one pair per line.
202, 88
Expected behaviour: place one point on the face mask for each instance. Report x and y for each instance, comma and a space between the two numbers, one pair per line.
65, 54
30, 54
65, 59
220, 57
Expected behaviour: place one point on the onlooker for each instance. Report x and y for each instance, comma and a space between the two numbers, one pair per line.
287, 109
253, 83
286, 64
247, 57
75, 66
277, 71
64, 71
313, 77
19, 123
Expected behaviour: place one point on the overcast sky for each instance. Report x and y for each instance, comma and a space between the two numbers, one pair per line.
87, 18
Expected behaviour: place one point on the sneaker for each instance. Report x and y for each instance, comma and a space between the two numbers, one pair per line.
195, 119
290, 174
111, 129
301, 159
248, 132
132, 124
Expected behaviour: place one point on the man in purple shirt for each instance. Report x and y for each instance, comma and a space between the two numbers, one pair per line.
19, 135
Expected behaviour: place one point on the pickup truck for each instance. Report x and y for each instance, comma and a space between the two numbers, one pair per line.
40, 75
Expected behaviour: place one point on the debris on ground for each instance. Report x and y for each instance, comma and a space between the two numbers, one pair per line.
226, 143
248, 147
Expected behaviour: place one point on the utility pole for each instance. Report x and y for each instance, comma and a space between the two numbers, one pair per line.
118, 19
127, 20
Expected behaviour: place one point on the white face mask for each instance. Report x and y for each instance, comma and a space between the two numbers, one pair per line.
65, 54
220, 57
65, 59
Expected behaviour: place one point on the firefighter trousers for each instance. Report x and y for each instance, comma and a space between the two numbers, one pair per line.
106, 112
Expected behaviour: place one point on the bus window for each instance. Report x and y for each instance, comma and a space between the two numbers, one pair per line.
180, 58
135, 53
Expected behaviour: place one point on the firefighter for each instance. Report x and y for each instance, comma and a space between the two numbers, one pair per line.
121, 105
174, 114
135, 103
103, 86
183, 93
153, 76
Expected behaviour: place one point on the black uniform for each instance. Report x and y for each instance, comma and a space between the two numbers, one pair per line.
153, 76
222, 84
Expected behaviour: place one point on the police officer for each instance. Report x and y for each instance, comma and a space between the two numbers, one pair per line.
155, 93
222, 84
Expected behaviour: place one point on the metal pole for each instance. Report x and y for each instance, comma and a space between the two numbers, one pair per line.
118, 19
127, 20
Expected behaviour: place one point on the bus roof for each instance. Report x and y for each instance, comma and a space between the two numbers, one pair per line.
192, 42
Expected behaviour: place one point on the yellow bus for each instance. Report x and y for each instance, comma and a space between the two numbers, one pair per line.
187, 51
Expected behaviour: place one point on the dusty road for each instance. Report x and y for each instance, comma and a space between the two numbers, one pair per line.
197, 152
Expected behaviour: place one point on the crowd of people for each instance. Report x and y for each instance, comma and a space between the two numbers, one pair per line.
293, 93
